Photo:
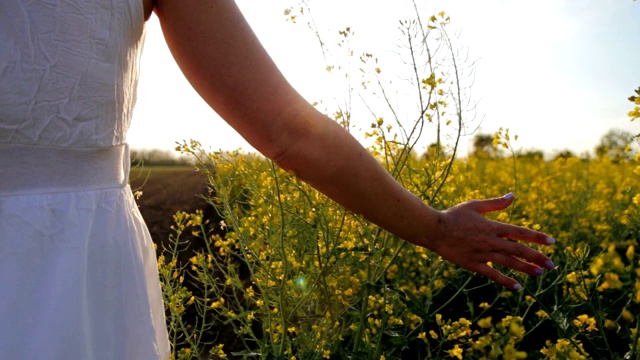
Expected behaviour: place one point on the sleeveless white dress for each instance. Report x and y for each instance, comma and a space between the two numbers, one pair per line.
78, 272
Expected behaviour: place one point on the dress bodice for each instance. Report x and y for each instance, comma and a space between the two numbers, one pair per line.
68, 79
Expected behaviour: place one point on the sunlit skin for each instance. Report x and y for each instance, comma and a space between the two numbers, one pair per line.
223, 60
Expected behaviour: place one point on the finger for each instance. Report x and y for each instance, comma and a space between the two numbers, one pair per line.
514, 232
488, 205
497, 276
515, 263
528, 254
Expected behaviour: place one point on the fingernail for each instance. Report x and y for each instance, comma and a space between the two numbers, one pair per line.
550, 240
508, 196
549, 264
517, 287
538, 272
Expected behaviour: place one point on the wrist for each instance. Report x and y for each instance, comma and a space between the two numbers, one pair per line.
428, 232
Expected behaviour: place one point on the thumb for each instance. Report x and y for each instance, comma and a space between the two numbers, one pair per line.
488, 205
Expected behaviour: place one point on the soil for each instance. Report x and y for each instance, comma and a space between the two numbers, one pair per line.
166, 190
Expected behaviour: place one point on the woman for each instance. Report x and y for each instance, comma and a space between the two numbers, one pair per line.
78, 277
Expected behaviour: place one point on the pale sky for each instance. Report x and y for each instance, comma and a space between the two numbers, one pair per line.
556, 72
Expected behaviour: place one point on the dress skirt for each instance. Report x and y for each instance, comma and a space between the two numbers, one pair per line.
78, 271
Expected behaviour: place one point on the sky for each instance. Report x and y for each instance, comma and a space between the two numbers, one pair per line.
556, 72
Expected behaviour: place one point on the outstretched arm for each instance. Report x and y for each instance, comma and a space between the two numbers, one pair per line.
226, 64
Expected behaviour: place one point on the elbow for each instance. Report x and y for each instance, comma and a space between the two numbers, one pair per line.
283, 157
290, 148
290, 151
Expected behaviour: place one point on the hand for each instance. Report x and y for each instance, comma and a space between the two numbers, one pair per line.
468, 239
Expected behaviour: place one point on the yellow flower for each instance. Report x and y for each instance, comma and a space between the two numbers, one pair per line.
585, 321
563, 349
542, 314
630, 252
388, 308
510, 352
485, 323
456, 352
611, 281
348, 292
217, 304
516, 328
609, 324
217, 351
506, 294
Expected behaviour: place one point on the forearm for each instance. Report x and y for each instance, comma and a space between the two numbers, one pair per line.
332, 161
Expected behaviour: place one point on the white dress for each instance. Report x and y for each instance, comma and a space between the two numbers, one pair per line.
78, 272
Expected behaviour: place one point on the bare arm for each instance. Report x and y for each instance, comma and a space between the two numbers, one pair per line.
224, 61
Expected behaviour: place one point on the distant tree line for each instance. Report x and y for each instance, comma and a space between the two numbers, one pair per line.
158, 157
616, 144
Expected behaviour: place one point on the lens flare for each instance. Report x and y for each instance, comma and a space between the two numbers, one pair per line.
301, 284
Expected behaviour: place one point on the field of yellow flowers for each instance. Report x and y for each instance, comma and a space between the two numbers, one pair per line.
289, 274
297, 276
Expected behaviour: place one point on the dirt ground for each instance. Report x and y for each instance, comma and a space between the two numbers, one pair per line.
166, 190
